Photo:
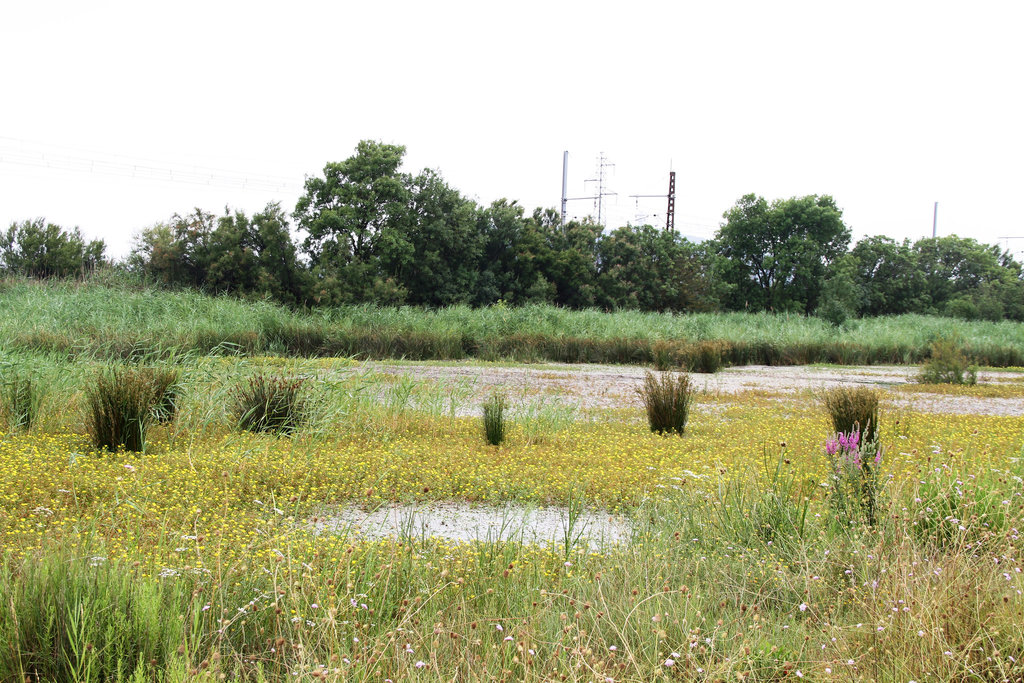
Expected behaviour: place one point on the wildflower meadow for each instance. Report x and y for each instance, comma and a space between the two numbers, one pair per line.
761, 543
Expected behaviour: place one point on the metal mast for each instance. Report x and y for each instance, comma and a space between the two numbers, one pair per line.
670, 220
602, 164
670, 223
565, 181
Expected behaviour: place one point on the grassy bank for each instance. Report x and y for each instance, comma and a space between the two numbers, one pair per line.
95, 320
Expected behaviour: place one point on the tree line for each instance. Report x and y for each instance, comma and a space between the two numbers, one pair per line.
367, 232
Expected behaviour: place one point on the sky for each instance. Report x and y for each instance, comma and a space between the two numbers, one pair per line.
116, 115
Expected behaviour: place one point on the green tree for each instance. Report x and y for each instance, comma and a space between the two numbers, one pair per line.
777, 254
510, 270
176, 253
841, 296
567, 256
281, 275
39, 249
650, 269
888, 277
434, 254
345, 215
233, 264
255, 256
955, 268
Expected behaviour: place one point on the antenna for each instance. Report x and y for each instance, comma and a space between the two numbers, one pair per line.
602, 163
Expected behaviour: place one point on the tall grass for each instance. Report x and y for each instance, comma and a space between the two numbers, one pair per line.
20, 397
127, 323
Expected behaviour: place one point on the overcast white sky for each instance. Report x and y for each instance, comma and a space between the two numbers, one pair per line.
114, 115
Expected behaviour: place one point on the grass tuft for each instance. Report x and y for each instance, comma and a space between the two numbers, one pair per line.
122, 404
270, 404
852, 409
667, 401
494, 419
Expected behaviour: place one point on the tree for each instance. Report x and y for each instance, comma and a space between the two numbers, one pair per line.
177, 253
776, 254
345, 214
39, 249
233, 264
281, 275
434, 255
255, 256
647, 268
510, 269
841, 296
567, 256
967, 279
888, 276
953, 267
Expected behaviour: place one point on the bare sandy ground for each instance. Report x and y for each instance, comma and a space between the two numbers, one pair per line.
465, 523
614, 386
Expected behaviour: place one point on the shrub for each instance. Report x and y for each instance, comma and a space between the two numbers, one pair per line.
270, 404
667, 401
853, 409
21, 398
494, 418
121, 406
947, 364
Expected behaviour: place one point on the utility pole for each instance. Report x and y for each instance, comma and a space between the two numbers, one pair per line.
935, 221
670, 222
565, 182
670, 215
565, 185
602, 163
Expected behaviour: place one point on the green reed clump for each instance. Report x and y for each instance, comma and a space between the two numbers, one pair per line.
495, 424
122, 404
270, 404
21, 399
166, 391
667, 401
852, 409
948, 364
707, 356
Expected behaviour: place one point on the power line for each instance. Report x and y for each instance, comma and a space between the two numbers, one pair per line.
92, 152
132, 167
